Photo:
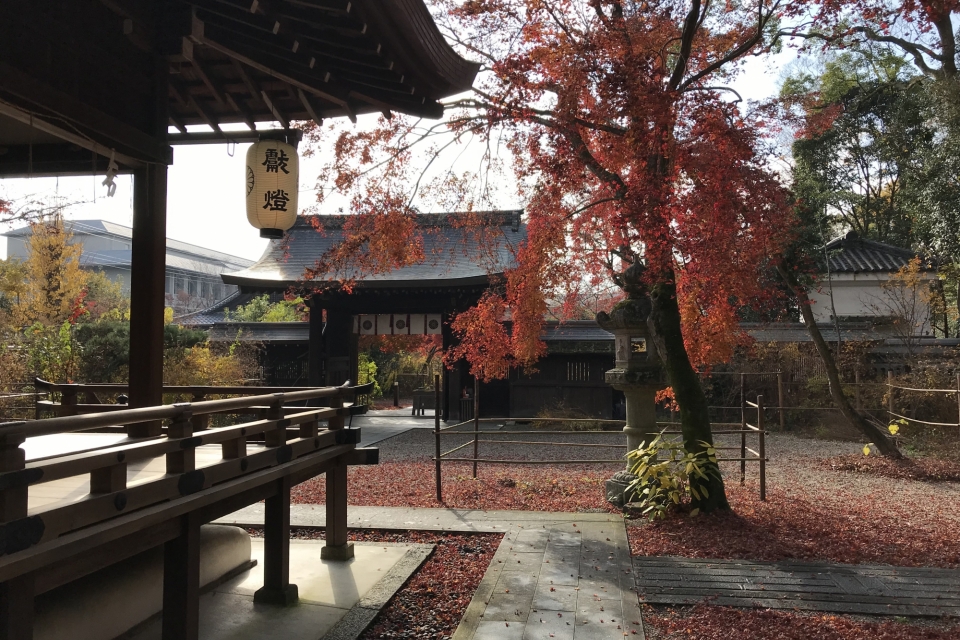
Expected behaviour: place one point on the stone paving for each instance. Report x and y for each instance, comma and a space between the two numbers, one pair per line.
565, 574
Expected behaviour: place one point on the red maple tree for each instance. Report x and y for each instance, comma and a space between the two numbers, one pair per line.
626, 147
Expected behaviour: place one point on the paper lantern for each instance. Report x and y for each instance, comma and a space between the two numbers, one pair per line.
273, 178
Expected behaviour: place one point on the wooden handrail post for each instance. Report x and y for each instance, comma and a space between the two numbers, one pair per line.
201, 422
336, 422
436, 432
762, 449
185, 459
278, 435
68, 400
16, 595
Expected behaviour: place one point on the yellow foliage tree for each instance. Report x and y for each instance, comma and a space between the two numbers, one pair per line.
55, 283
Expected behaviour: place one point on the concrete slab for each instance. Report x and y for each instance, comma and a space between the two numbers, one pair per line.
337, 599
584, 557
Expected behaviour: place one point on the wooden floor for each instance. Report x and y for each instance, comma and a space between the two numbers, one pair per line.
864, 589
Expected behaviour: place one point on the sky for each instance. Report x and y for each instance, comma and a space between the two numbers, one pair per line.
205, 188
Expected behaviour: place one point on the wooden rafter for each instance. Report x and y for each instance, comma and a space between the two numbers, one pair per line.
308, 106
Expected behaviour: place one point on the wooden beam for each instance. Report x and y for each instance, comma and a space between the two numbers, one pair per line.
200, 35
273, 109
107, 131
176, 122
53, 159
242, 110
305, 101
204, 115
190, 54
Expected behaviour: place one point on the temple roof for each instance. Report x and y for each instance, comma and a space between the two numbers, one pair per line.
853, 254
458, 253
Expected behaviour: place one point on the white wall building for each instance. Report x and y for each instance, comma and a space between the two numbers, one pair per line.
853, 288
192, 272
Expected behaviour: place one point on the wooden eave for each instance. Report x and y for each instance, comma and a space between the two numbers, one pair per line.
99, 75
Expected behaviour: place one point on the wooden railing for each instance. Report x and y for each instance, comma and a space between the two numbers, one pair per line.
43, 548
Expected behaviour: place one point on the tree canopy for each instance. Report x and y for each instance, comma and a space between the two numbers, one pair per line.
626, 147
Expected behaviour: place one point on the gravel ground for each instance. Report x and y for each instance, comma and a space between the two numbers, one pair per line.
792, 466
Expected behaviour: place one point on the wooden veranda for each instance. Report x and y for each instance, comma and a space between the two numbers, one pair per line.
91, 86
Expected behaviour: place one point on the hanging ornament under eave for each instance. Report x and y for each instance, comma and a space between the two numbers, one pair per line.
273, 178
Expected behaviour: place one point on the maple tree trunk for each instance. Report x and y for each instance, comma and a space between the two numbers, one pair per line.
664, 322
876, 435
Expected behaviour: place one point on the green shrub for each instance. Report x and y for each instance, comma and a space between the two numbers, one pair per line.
663, 469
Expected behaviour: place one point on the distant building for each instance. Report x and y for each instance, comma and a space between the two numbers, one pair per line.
858, 271
193, 272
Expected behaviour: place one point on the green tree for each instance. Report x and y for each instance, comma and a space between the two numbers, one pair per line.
260, 309
858, 163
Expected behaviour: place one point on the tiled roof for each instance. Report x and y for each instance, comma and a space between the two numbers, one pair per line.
574, 330
853, 254
212, 315
261, 332
455, 254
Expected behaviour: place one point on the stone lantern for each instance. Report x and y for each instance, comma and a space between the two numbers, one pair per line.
637, 373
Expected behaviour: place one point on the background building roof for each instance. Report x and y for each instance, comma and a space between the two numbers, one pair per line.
853, 254
180, 255
457, 253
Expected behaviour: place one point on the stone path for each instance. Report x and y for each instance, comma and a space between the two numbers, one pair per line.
864, 589
565, 576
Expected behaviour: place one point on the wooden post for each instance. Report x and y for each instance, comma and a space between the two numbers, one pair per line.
276, 587
856, 389
476, 423
396, 395
181, 582
315, 355
201, 422
184, 459
890, 394
68, 400
436, 431
337, 547
16, 594
762, 449
278, 436
147, 272
743, 431
780, 400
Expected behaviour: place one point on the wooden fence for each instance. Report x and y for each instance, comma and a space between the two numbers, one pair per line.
440, 456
